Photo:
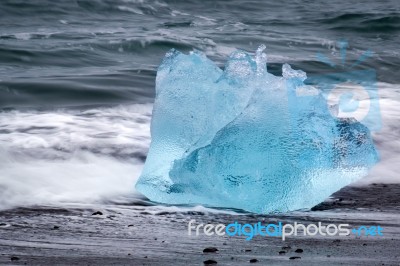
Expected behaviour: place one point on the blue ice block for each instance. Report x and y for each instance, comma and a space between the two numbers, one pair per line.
244, 138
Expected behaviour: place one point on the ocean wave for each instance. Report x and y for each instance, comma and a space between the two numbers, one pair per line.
71, 156
89, 7
121, 132
368, 23
68, 90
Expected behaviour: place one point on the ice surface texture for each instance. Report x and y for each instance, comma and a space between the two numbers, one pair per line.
244, 138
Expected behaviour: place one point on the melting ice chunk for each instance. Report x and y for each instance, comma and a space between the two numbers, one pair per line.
244, 138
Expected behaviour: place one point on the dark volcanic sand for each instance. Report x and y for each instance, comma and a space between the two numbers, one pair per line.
150, 235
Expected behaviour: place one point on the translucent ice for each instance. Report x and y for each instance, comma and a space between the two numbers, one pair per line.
244, 138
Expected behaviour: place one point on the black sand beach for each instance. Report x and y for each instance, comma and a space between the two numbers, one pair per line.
141, 235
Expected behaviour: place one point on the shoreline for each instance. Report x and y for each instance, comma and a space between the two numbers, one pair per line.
122, 235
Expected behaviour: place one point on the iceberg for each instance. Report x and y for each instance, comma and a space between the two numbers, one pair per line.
244, 138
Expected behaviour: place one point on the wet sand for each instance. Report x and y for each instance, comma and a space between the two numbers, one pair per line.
144, 235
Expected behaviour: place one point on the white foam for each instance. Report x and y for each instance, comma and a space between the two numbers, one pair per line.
23, 36
387, 139
84, 178
130, 9
56, 157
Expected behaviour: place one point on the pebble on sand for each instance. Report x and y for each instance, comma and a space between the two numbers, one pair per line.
210, 250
